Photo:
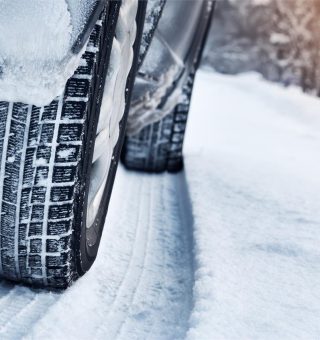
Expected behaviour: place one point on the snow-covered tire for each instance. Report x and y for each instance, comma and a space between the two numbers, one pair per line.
158, 146
45, 163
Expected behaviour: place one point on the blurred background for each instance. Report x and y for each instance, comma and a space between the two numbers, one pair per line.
278, 38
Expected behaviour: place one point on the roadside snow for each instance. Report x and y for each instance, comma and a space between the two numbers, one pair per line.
253, 172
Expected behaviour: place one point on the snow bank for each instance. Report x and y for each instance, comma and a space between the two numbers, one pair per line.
35, 47
253, 171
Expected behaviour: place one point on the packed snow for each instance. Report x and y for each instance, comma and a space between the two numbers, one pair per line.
80, 11
253, 169
227, 249
35, 47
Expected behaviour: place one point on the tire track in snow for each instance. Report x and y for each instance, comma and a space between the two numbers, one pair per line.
20, 308
154, 299
17, 327
141, 284
126, 291
167, 278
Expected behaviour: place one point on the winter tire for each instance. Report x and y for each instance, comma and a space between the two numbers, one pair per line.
48, 155
157, 147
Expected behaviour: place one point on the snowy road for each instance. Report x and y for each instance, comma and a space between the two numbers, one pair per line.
141, 283
238, 258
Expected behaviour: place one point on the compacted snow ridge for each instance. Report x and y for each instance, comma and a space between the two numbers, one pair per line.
228, 249
113, 103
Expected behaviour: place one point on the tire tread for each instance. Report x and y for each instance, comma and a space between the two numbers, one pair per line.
40, 152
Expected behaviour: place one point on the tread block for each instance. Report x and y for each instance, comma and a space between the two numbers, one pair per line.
9, 219
70, 132
77, 88
41, 175
47, 132
50, 111
34, 261
38, 195
35, 246
61, 194
52, 246
43, 153
20, 112
58, 261
34, 130
61, 211
73, 110
37, 212
25, 209
59, 274
59, 227
3, 111
88, 63
67, 153
36, 272
63, 174
29, 170
35, 229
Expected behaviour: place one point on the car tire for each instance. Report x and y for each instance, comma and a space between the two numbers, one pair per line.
46, 156
158, 146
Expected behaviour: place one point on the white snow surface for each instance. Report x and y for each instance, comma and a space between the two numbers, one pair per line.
80, 11
253, 171
35, 47
228, 249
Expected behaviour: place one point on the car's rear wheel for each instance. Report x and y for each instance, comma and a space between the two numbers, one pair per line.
58, 162
158, 117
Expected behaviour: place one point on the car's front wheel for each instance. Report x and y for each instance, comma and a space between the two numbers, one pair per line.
58, 162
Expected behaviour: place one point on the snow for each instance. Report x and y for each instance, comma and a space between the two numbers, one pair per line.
80, 11
228, 249
65, 153
253, 173
35, 47
113, 104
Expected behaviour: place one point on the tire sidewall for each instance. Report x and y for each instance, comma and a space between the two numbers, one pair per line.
85, 254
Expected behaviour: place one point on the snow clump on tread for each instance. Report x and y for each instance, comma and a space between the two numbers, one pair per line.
35, 47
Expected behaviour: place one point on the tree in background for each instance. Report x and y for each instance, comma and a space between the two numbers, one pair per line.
294, 41
280, 39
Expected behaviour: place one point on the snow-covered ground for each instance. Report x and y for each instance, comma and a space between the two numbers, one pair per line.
253, 173
229, 249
